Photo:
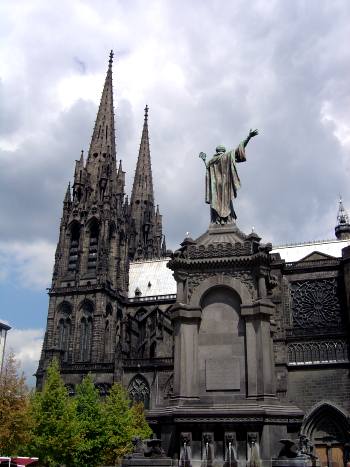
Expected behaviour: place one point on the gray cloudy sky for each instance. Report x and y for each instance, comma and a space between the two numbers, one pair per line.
209, 71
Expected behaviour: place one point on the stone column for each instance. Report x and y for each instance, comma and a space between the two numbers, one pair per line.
259, 358
186, 320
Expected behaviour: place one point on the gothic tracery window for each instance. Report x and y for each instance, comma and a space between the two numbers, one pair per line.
93, 244
64, 329
73, 247
85, 342
314, 305
107, 343
139, 390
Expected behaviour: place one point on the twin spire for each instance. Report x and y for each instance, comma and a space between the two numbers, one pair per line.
102, 147
100, 180
142, 189
103, 137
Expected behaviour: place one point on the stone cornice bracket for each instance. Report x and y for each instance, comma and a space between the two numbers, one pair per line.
182, 312
260, 309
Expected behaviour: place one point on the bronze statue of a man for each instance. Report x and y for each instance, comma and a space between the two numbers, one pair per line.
222, 181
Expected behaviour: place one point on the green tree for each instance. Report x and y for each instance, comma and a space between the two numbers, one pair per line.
122, 421
14, 409
119, 424
55, 431
91, 424
140, 426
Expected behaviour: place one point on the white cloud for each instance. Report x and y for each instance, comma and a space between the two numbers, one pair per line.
76, 86
273, 66
31, 263
338, 122
26, 345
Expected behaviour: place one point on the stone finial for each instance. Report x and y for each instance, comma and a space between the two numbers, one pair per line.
110, 61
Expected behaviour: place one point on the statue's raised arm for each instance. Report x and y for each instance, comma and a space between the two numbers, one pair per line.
222, 180
203, 156
251, 135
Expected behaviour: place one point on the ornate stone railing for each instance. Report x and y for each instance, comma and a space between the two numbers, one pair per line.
311, 264
152, 298
318, 352
161, 362
87, 367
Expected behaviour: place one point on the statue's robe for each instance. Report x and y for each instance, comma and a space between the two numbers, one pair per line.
222, 182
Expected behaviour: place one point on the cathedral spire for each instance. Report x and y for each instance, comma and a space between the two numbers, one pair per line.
146, 222
142, 189
67, 198
102, 146
342, 229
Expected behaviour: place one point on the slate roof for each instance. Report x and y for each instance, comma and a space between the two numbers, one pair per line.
152, 278
295, 252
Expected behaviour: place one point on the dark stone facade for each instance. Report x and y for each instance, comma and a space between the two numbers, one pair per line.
251, 349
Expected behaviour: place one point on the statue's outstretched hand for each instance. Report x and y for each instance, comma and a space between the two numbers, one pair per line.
203, 156
253, 133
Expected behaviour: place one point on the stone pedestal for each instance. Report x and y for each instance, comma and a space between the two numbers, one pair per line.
224, 371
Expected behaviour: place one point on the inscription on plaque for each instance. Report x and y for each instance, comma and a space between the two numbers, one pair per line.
222, 374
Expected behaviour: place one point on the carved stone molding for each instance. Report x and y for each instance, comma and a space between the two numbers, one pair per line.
247, 279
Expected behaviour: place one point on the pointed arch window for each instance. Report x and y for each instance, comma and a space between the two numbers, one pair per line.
93, 245
64, 329
85, 343
107, 349
73, 247
85, 339
107, 343
139, 391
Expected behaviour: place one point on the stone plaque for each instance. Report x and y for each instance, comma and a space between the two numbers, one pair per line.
222, 374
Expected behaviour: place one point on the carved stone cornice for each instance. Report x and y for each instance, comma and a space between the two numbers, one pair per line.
185, 263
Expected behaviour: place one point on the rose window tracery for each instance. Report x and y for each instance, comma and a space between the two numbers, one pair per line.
316, 304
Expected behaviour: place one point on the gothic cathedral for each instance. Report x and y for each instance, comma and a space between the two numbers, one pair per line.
230, 343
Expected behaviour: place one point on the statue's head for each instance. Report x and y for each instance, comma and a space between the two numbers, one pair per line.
220, 149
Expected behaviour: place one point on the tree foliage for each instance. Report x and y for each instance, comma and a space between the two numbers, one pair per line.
14, 408
55, 432
140, 427
74, 431
91, 424
119, 424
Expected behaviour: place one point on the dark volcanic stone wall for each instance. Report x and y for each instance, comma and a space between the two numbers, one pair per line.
306, 387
